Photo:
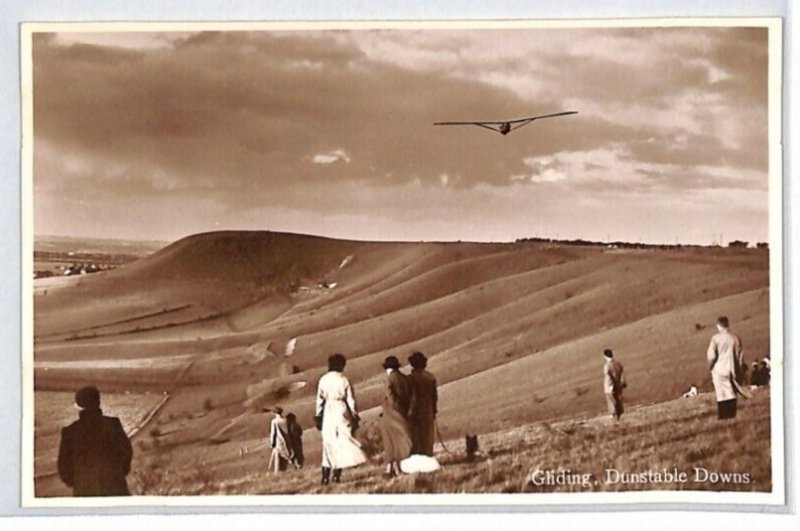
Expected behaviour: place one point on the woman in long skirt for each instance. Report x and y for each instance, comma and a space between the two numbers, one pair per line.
337, 417
395, 431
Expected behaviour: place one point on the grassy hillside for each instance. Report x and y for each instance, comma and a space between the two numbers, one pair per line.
514, 332
680, 434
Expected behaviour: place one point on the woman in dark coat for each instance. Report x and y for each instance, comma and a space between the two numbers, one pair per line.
395, 432
424, 405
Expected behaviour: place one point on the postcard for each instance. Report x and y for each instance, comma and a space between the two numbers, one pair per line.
527, 263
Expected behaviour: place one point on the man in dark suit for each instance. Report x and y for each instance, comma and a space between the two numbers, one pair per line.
95, 453
424, 405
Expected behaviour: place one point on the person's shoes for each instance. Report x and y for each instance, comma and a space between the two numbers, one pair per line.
326, 475
337, 475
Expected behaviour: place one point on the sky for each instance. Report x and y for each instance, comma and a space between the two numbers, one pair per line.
159, 135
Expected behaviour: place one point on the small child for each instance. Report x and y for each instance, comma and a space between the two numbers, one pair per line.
295, 441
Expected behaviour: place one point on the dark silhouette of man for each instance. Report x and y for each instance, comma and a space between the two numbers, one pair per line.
95, 454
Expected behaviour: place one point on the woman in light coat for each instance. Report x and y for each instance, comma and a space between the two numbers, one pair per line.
337, 417
279, 442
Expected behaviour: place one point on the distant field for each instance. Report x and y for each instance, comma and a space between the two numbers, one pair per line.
66, 244
54, 253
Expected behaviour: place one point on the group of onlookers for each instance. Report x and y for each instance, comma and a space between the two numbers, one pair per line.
410, 403
725, 363
286, 441
95, 453
409, 408
759, 373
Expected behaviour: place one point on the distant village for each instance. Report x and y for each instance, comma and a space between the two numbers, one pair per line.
56, 263
73, 269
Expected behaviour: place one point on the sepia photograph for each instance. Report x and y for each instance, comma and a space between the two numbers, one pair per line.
514, 263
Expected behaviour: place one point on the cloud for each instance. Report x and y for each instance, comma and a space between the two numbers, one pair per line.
264, 121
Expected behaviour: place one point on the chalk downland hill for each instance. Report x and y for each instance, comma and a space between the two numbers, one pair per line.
514, 332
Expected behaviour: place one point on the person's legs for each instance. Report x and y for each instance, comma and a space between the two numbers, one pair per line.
611, 404
337, 475
726, 409
732, 409
275, 461
326, 475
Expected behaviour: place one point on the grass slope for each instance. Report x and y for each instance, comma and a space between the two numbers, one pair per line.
513, 331
679, 434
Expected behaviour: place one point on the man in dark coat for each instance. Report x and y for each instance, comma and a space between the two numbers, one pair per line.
95, 453
424, 405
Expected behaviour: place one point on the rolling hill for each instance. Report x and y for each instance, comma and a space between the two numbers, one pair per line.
514, 332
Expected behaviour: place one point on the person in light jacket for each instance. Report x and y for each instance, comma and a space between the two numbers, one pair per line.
337, 417
279, 441
613, 384
724, 357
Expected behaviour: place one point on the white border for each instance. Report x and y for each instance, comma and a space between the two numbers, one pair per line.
319, 501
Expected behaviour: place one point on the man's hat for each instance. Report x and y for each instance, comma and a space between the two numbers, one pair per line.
608, 353
87, 397
391, 362
418, 360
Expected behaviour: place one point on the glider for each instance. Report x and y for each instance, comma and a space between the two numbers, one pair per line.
507, 126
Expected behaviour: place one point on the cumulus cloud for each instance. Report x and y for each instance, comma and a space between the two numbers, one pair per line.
249, 124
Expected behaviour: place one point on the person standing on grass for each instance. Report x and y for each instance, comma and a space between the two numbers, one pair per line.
424, 405
337, 418
279, 441
724, 356
613, 384
396, 406
94, 455
295, 433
